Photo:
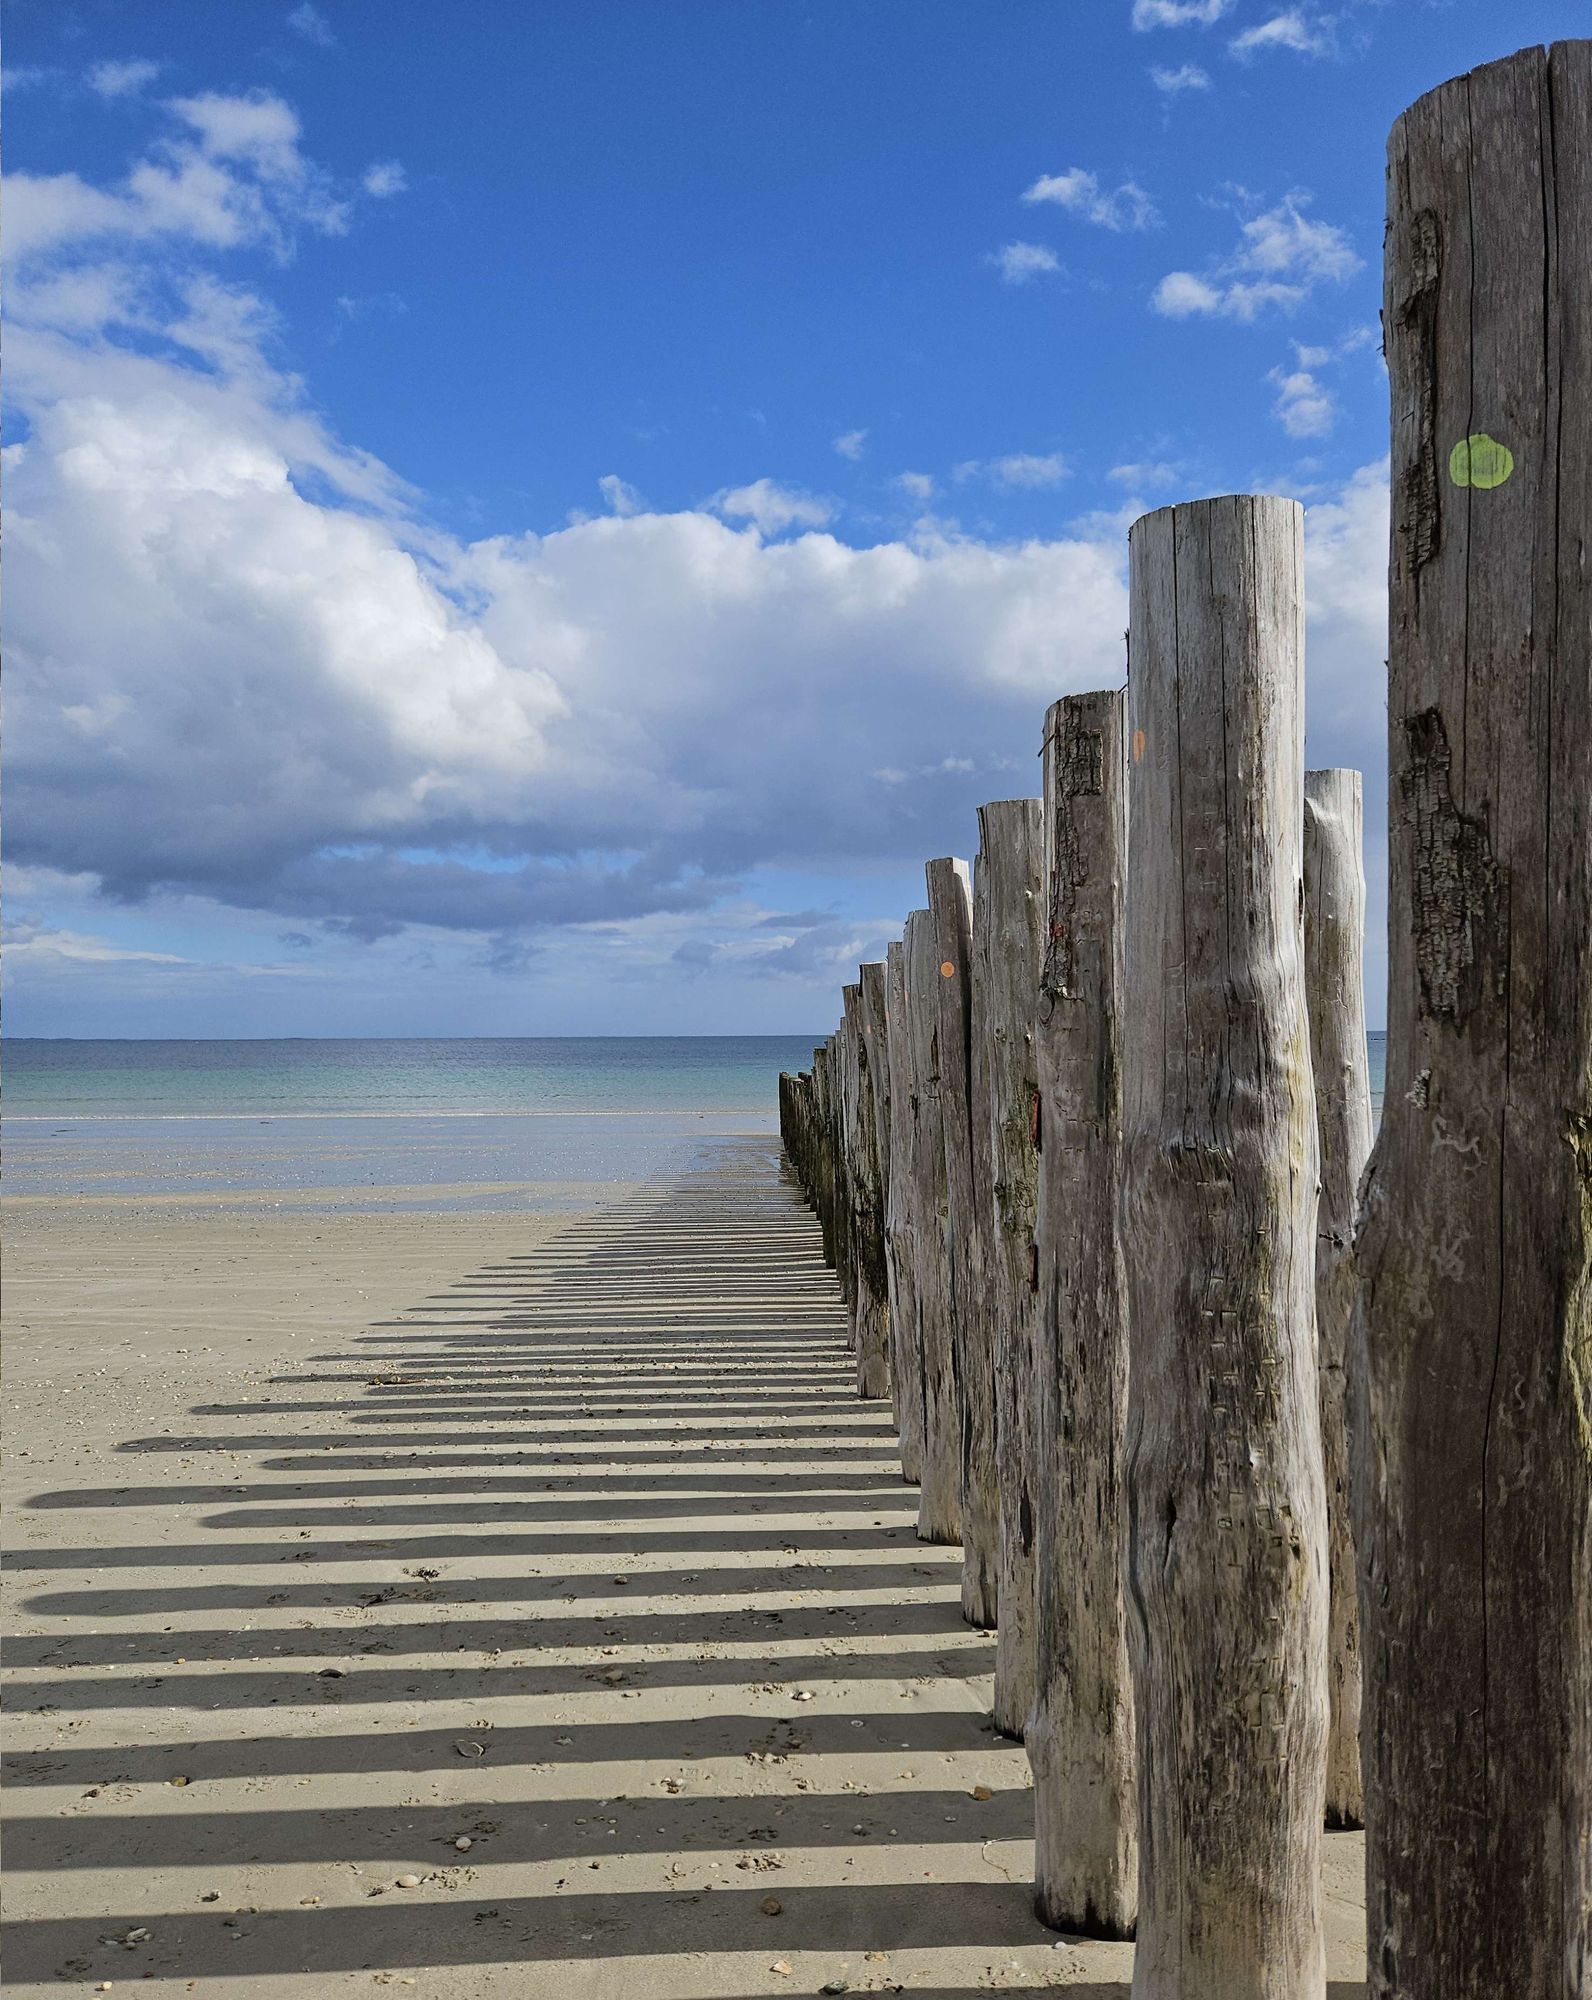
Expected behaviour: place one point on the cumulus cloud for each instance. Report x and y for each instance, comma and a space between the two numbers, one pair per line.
1174, 82
1080, 193
229, 173
122, 79
1282, 255
916, 485
1018, 263
1178, 13
1304, 405
850, 444
246, 672
771, 508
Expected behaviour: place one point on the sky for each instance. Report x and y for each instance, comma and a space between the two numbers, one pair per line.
539, 518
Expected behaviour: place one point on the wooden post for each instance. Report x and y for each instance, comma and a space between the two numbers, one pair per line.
901, 1223
939, 1498
1006, 956
967, 1392
1226, 1528
823, 1190
1473, 1460
871, 1310
1080, 1737
1335, 994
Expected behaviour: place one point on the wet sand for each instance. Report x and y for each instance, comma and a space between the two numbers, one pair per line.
340, 1538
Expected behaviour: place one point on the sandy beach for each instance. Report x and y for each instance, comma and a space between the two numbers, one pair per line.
489, 1602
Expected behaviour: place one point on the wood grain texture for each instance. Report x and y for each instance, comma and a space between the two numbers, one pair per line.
959, 1398
1473, 1459
940, 1483
1335, 996
1080, 1735
1225, 1572
1007, 913
906, 1349
873, 1143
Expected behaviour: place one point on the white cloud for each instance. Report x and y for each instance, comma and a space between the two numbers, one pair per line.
1019, 262
771, 508
1292, 29
619, 496
312, 24
916, 485
122, 79
1281, 256
384, 178
1022, 468
1304, 406
1173, 82
850, 444
233, 174
1178, 13
1079, 192
1144, 476
27, 940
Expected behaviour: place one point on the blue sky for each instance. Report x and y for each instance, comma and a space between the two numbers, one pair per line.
537, 519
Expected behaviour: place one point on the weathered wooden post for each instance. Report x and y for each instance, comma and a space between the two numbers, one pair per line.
1473, 1459
967, 1186
1006, 955
1335, 995
823, 1189
901, 1223
1226, 1528
1080, 1736
871, 1309
939, 1498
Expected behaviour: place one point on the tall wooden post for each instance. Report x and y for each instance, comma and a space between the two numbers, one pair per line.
1080, 1737
873, 1308
1006, 954
961, 1400
901, 1223
1226, 1528
867, 1292
823, 1189
1335, 994
1473, 1469
940, 1484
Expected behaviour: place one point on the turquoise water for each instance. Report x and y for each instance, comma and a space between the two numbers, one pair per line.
388, 1125
404, 1077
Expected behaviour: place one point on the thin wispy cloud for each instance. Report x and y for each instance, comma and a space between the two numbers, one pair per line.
1017, 469
1079, 192
1178, 82
916, 485
384, 178
772, 508
312, 24
850, 444
1144, 475
1020, 263
1282, 255
1178, 13
1295, 30
1304, 406
619, 496
122, 79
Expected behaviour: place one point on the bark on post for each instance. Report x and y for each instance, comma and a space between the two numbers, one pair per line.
823, 1191
966, 1396
939, 1498
901, 1224
1080, 1737
1226, 1528
871, 1311
1006, 955
1335, 994
1473, 1467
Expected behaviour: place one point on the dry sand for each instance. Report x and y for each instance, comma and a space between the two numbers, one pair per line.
338, 1539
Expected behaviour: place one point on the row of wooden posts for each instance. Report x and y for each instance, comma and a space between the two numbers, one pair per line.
1280, 1500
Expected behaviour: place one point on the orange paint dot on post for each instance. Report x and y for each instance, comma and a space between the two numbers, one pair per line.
947, 970
1138, 745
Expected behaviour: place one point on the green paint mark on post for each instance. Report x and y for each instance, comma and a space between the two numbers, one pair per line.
1480, 460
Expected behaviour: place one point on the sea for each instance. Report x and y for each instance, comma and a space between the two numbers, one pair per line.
418, 1123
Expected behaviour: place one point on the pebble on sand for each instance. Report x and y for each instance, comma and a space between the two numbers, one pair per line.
407, 1882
